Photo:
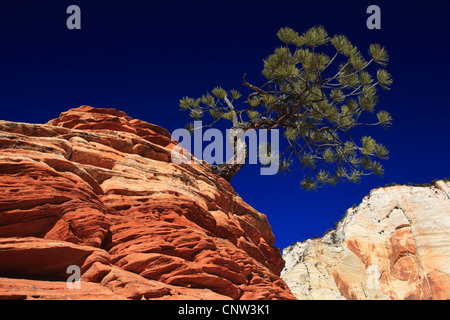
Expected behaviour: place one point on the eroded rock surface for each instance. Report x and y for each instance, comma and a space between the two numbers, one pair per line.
394, 245
97, 189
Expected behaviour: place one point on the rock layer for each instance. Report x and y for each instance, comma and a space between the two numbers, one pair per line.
97, 189
394, 245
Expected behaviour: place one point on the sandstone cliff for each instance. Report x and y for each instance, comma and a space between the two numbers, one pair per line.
394, 245
97, 189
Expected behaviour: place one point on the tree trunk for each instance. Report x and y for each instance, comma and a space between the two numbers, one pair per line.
228, 169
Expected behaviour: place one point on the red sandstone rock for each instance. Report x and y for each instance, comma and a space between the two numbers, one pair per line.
36, 258
24, 289
96, 188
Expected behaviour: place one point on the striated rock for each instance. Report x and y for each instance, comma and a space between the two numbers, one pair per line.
24, 289
394, 245
35, 258
97, 189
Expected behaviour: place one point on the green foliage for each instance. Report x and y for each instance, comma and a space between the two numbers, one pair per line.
337, 95
288, 36
308, 160
382, 152
365, 78
285, 165
252, 114
190, 127
368, 145
235, 94
314, 37
329, 155
341, 44
384, 118
317, 89
269, 100
309, 184
187, 102
291, 134
208, 100
196, 113
219, 92
229, 115
384, 79
254, 101
215, 113
379, 54
377, 169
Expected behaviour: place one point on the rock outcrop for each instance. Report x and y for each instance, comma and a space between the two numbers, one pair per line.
394, 245
97, 189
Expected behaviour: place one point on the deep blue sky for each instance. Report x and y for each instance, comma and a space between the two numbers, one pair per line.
143, 56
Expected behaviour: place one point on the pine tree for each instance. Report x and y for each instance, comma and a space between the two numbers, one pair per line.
317, 89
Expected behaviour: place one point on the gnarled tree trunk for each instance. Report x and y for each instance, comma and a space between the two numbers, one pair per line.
230, 168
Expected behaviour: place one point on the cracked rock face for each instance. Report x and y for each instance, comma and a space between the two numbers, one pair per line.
394, 245
97, 189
